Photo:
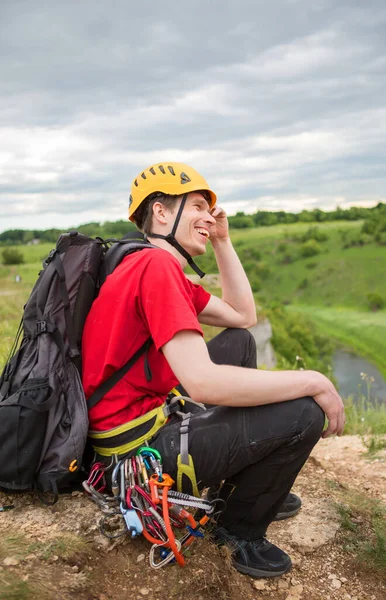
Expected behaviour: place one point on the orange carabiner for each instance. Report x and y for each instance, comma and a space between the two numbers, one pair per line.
167, 481
73, 466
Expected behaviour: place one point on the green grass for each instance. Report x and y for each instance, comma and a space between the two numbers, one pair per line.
69, 547
363, 520
32, 254
367, 420
335, 277
363, 332
12, 587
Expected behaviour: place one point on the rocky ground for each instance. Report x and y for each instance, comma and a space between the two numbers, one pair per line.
58, 552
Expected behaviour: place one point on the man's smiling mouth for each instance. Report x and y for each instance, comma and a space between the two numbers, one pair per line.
203, 232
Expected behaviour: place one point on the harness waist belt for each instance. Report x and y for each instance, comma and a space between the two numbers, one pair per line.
129, 436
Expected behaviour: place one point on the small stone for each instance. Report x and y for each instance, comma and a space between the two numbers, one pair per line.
75, 569
343, 579
144, 591
140, 558
297, 590
11, 561
294, 581
283, 585
259, 584
30, 557
336, 583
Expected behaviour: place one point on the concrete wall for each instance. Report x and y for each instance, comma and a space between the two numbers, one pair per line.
262, 332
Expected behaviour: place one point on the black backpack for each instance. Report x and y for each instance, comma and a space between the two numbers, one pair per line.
43, 410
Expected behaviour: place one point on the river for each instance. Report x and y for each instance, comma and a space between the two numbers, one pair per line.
348, 368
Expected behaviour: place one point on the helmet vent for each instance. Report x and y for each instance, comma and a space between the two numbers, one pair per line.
152, 170
171, 170
130, 200
184, 178
162, 169
136, 183
143, 175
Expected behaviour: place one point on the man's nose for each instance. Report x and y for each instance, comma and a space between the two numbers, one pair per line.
210, 218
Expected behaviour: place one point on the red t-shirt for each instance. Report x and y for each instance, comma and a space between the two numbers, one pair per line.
148, 294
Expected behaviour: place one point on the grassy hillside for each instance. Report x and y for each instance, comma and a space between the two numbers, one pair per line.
320, 272
324, 273
364, 332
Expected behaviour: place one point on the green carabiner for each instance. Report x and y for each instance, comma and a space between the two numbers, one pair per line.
150, 450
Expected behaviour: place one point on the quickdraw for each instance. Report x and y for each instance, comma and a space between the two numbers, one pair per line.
143, 503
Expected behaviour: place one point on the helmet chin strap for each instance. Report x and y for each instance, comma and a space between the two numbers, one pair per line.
171, 239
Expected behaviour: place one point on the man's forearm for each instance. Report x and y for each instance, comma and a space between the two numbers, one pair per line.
236, 289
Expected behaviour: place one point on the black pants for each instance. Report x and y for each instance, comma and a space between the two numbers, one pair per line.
258, 451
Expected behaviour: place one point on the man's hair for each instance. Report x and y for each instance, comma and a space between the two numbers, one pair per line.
144, 213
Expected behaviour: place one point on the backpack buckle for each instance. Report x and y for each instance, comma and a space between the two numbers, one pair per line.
50, 256
41, 327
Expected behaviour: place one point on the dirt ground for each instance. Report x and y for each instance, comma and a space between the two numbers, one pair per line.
59, 553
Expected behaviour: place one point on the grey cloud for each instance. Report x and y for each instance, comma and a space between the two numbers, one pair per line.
93, 92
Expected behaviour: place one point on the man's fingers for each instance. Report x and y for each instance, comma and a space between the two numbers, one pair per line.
342, 422
336, 423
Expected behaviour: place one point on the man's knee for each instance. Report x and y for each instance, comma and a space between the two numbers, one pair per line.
243, 338
311, 418
231, 334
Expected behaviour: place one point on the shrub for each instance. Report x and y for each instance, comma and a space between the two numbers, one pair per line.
255, 282
310, 248
375, 301
262, 269
294, 335
369, 226
314, 233
286, 258
311, 265
303, 284
380, 238
249, 253
12, 256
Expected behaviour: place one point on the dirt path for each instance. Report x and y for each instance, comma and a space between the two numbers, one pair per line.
58, 553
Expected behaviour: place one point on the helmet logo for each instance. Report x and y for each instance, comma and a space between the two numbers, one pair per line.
184, 178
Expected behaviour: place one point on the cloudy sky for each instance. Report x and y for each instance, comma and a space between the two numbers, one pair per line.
279, 104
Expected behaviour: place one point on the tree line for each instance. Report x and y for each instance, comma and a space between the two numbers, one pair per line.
261, 218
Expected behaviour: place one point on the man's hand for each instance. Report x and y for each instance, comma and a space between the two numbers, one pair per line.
331, 403
219, 230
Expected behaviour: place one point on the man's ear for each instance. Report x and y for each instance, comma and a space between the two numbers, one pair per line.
159, 212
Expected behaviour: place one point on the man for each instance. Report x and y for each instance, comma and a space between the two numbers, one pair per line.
262, 425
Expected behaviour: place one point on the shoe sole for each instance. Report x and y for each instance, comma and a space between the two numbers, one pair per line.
260, 572
287, 515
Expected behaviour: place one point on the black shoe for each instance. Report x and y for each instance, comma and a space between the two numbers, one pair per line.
289, 508
259, 558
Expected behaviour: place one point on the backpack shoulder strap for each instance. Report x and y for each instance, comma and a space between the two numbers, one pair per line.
108, 385
133, 242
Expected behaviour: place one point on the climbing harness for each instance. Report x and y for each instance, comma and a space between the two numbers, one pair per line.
142, 502
125, 439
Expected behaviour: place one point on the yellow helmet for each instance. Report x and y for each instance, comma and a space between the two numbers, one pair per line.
169, 178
